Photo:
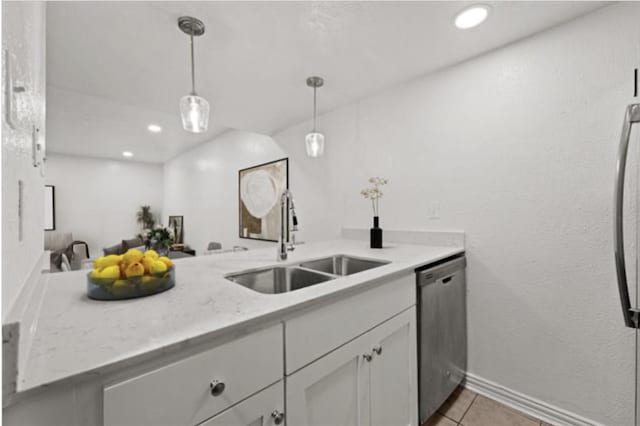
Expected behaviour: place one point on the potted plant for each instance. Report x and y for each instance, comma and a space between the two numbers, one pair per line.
159, 239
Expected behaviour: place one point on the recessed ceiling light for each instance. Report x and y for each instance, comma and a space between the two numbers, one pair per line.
127, 154
472, 16
154, 128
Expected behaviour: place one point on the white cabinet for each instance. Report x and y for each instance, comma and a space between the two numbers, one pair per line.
332, 390
371, 380
393, 373
196, 388
349, 361
315, 333
266, 408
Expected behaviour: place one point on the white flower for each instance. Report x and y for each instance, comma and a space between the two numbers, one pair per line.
374, 193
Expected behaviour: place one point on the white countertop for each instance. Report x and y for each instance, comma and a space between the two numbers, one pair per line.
75, 335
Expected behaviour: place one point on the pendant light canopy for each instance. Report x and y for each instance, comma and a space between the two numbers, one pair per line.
314, 140
194, 109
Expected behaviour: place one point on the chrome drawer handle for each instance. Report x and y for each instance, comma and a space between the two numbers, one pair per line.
377, 350
217, 387
367, 357
277, 416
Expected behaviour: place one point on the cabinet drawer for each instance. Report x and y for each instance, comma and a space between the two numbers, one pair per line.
180, 393
266, 408
315, 333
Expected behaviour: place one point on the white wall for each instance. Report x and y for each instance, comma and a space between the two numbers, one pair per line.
97, 199
23, 29
202, 185
518, 149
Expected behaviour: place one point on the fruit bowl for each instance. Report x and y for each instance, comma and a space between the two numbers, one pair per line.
134, 274
108, 289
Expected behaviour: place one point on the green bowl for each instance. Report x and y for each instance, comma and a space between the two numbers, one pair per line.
107, 289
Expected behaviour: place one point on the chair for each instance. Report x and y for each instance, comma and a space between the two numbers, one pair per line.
56, 242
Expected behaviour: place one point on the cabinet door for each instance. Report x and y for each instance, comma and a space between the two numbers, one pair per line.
333, 390
265, 408
393, 370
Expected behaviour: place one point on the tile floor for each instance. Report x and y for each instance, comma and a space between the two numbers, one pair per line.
466, 408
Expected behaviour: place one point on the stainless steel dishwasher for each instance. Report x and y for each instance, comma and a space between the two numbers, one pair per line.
442, 331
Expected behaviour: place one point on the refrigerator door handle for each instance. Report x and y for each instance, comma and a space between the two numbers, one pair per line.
631, 315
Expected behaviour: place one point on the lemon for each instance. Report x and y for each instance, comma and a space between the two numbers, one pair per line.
158, 267
147, 262
134, 270
151, 254
98, 263
121, 288
132, 256
150, 284
123, 268
96, 273
110, 272
104, 261
166, 261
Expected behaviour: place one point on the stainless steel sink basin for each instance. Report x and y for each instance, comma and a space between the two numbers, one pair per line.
342, 265
279, 279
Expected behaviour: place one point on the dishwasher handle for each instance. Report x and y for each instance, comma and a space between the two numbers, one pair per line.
444, 271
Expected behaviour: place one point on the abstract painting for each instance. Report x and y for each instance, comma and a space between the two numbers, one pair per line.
260, 188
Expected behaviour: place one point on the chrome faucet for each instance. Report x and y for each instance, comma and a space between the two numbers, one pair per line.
287, 241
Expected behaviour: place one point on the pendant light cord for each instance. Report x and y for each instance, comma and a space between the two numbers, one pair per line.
193, 68
314, 108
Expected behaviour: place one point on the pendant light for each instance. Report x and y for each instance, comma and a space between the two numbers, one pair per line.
194, 109
315, 139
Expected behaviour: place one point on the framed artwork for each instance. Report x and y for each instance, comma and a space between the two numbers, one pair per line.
259, 189
176, 225
49, 208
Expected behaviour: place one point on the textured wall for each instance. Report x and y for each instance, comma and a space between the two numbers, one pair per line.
517, 148
23, 25
97, 199
202, 185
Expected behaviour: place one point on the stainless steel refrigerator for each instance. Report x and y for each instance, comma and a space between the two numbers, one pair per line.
626, 236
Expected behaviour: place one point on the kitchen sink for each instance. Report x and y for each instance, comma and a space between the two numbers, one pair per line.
279, 279
342, 265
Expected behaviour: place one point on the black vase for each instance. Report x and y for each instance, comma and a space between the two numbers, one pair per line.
376, 233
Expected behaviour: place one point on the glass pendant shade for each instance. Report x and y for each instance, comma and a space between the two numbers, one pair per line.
315, 144
195, 113
315, 140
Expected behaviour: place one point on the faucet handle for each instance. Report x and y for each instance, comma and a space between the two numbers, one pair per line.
292, 237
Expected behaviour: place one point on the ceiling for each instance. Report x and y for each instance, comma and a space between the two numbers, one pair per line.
115, 67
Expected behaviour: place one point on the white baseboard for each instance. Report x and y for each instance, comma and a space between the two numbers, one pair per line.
528, 405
